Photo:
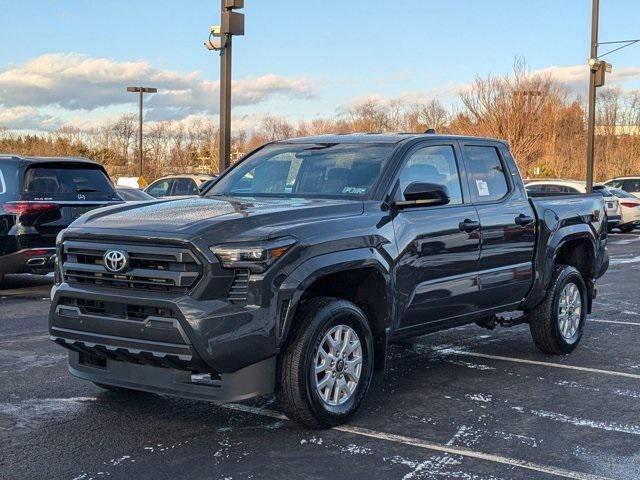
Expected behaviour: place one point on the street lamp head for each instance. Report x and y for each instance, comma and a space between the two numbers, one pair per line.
142, 89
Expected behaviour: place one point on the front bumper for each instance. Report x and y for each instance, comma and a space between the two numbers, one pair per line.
155, 342
254, 380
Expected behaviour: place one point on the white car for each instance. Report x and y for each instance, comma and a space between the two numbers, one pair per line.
177, 185
550, 187
628, 184
630, 205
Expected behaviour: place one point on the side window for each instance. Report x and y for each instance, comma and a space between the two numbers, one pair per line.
184, 186
487, 179
159, 189
631, 186
3, 185
433, 164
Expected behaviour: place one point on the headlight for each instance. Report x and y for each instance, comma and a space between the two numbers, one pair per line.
257, 257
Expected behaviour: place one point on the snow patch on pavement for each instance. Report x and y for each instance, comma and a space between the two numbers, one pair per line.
582, 422
27, 413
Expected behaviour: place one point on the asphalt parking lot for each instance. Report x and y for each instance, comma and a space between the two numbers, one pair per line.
463, 404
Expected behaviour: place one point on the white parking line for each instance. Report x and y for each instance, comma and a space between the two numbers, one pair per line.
419, 443
543, 364
617, 322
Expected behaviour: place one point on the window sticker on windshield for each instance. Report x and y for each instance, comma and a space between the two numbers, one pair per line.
483, 188
354, 190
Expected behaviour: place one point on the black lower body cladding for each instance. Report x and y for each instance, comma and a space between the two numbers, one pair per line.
176, 345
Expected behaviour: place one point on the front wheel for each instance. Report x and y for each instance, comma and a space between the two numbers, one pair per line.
326, 370
558, 322
627, 228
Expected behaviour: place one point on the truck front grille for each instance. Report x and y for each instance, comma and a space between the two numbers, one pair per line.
155, 268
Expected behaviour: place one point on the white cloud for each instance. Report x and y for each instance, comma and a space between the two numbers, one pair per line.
27, 118
577, 76
71, 81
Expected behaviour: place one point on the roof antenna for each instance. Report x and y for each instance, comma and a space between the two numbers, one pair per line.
430, 130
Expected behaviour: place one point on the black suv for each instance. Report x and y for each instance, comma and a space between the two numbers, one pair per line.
39, 197
305, 259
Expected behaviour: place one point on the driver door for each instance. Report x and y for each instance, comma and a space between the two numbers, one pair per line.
439, 246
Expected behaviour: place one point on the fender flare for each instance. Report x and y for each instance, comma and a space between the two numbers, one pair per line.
300, 279
545, 263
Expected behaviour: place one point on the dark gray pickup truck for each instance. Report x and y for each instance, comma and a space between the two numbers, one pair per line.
299, 266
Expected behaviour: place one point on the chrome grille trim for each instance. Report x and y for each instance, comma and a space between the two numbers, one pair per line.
153, 268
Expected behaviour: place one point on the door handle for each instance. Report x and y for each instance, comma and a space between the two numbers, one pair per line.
469, 225
523, 220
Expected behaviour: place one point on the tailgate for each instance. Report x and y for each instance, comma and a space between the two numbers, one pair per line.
75, 187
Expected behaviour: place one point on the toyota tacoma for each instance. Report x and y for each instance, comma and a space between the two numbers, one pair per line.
300, 265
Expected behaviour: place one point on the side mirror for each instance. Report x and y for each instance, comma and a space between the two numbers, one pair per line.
424, 194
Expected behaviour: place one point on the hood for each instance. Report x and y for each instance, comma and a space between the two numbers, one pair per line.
194, 215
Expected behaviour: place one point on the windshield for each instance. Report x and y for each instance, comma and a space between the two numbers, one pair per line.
311, 170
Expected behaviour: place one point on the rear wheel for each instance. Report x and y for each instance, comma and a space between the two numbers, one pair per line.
326, 370
558, 322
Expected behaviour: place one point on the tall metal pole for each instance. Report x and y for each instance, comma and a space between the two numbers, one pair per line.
224, 157
141, 91
140, 133
591, 121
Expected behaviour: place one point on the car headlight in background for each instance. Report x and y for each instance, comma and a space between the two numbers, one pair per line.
257, 257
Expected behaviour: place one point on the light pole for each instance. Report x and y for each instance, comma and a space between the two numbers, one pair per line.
593, 71
232, 23
141, 91
597, 72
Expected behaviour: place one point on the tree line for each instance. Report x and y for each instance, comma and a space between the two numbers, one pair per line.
543, 122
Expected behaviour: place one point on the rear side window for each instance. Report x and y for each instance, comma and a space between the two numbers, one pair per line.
631, 186
67, 183
185, 186
487, 179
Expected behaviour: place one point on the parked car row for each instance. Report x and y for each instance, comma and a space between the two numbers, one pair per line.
623, 208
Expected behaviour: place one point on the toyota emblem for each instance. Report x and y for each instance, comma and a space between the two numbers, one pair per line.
115, 261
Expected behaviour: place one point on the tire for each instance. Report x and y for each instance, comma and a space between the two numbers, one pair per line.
298, 382
545, 321
627, 228
118, 390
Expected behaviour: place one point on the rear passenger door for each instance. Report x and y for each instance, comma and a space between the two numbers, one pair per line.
507, 222
438, 246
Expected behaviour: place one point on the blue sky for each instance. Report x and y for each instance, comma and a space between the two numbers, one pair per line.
313, 56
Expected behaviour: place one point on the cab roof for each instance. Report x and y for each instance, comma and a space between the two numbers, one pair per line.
388, 138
